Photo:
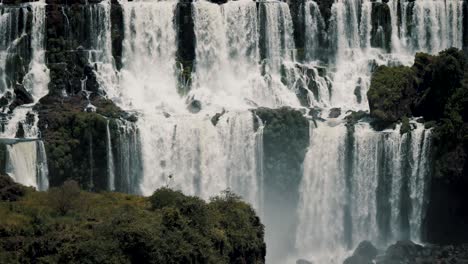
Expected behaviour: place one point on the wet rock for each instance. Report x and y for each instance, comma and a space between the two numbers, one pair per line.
6, 98
9, 190
303, 261
334, 113
381, 26
366, 249
20, 132
22, 96
365, 253
216, 117
194, 106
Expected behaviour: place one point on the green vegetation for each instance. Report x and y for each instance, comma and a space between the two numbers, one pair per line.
67, 225
389, 89
435, 88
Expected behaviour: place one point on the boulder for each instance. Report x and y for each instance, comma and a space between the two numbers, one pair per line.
194, 106
365, 253
303, 261
9, 190
22, 96
334, 113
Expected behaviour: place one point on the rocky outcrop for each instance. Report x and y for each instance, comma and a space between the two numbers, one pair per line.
391, 93
285, 141
435, 87
75, 140
403, 252
186, 44
365, 253
9, 190
381, 32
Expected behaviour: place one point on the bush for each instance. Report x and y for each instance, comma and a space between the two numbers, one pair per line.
65, 198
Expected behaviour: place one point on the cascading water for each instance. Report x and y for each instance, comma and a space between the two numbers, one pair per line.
125, 157
42, 174
314, 29
26, 163
193, 155
357, 184
428, 26
360, 184
148, 78
24, 42
110, 160
227, 42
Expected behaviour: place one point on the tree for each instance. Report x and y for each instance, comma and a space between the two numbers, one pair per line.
65, 198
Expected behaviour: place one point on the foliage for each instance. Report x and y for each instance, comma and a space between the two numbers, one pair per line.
388, 91
167, 227
64, 198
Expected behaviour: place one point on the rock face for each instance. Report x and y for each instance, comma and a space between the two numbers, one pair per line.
403, 252
409, 252
9, 190
381, 33
391, 93
285, 141
365, 253
436, 88
75, 140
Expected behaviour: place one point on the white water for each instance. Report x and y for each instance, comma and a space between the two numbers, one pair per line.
434, 25
313, 30
36, 79
245, 57
42, 174
193, 155
322, 195
148, 81
110, 160
26, 163
341, 206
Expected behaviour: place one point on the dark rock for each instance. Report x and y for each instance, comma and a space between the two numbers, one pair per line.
185, 44
303, 261
9, 190
391, 93
194, 106
381, 32
365, 253
22, 96
334, 113
353, 117
216, 117
285, 141
356, 259
20, 131
366, 249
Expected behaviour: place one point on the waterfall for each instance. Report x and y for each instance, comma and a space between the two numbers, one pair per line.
13, 44
148, 77
353, 56
429, 26
193, 155
26, 163
360, 184
227, 73
127, 157
37, 79
110, 160
23, 47
259, 158
42, 173
314, 27
21, 162
322, 192
100, 45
